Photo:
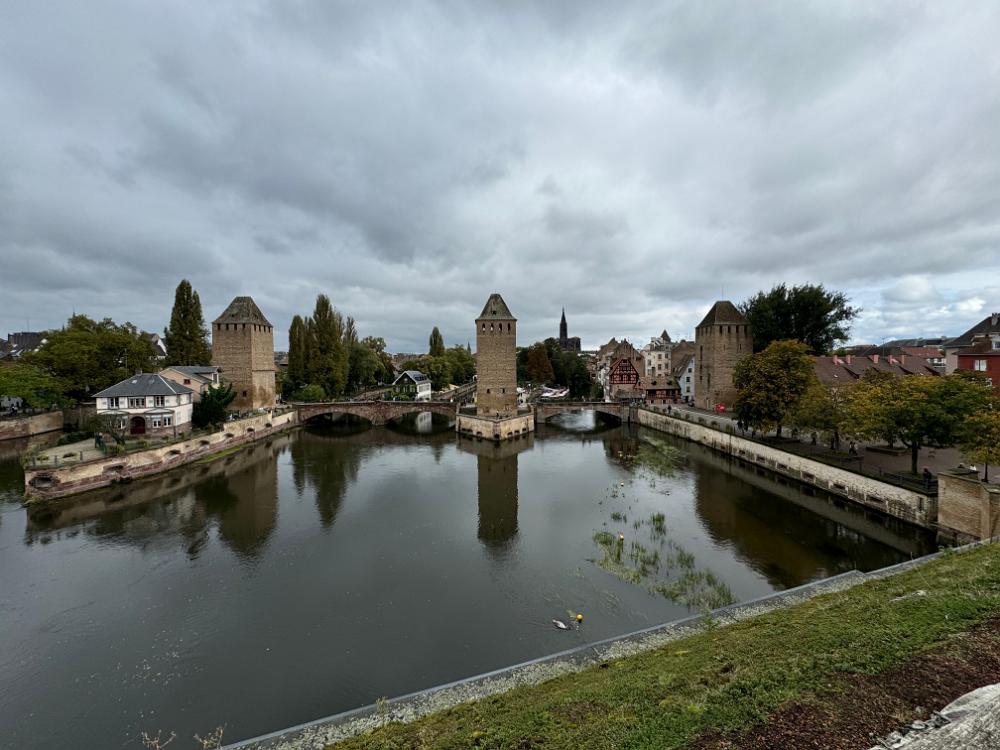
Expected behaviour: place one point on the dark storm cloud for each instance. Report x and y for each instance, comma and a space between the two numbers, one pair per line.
632, 162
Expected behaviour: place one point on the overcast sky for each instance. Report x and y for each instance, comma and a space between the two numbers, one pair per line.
632, 162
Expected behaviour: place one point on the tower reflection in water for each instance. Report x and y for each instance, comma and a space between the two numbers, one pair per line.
497, 490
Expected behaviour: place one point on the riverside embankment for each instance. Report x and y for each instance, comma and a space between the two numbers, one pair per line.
43, 482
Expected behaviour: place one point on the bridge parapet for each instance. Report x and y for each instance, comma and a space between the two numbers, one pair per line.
377, 412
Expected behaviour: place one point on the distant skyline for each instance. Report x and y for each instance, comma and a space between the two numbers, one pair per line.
631, 162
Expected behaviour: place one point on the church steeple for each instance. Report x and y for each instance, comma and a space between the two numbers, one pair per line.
563, 328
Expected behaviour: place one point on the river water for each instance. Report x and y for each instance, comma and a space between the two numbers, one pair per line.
335, 565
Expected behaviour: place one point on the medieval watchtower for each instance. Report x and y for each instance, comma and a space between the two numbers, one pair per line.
496, 359
722, 339
243, 349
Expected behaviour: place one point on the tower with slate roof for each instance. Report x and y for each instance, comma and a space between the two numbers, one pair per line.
243, 349
496, 359
722, 339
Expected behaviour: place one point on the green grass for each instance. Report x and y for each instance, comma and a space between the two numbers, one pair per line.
725, 677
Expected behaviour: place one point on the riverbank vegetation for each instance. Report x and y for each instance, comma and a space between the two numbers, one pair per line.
726, 685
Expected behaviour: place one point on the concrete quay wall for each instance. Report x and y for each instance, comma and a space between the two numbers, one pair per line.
907, 505
36, 424
44, 483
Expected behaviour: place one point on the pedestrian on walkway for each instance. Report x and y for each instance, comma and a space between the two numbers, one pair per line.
927, 477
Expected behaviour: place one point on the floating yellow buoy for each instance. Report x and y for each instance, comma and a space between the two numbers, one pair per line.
621, 537
579, 618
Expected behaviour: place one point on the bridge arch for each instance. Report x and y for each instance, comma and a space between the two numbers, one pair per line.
378, 413
545, 410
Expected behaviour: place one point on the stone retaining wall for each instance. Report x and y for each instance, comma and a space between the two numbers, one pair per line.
969, 509
46, 483
36, 424
907, 505
489, 428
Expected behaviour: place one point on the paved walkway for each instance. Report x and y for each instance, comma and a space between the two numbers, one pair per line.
60, 455
935, 459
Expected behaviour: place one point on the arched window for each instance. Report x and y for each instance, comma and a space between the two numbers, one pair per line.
484, 328
508, 327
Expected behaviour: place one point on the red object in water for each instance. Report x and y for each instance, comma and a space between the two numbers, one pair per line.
719, 408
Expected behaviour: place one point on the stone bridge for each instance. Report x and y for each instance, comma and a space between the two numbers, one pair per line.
376, 412
546, 409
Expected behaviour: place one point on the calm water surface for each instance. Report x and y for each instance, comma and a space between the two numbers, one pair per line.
331, 567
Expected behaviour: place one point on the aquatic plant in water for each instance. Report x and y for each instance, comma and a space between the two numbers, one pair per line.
671, 574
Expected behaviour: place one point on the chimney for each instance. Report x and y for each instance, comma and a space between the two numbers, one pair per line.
836, 360
902, 359
994, 320
849, 358
874, 358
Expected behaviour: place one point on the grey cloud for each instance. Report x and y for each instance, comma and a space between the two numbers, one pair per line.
632, 162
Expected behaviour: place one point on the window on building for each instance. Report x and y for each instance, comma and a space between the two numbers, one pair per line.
244, 394
980, 365
159, 400
113, 402
187, 381
156, 420
137, 402
168, 419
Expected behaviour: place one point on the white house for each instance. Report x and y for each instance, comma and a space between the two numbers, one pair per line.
147, 404
684, 372
413, 383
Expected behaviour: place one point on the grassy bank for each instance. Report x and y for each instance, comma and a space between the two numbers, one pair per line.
727, 680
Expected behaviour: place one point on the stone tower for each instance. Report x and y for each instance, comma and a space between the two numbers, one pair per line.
722, 339
243, 349
496, 359
563, 327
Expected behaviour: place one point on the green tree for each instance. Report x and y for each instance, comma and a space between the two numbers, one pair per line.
377, 345
210, 408
822, 409
33, 385
462, 364
581, 382
771, 384
329, 360
309, 393
436, 344
980, 437
918, 411
186, 338
365, 366
538, 368
807, 313
87, 356
298, 356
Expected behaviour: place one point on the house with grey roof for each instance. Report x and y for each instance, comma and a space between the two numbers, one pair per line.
198, 378
147, 404
413, 384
